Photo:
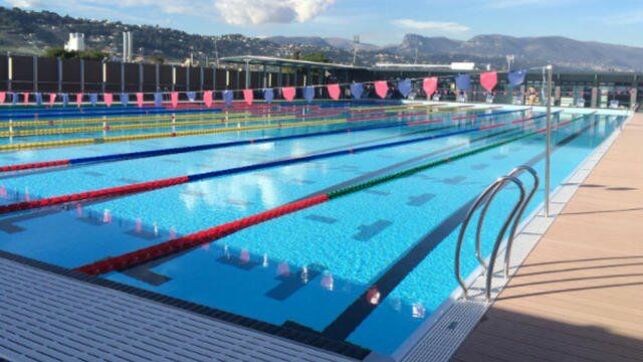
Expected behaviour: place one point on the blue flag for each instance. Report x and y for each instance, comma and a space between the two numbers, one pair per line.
405, 86
65, 99
463, 82
357, 89
268, 95
124, 99
158, 99
14, 98
191, 96
38, 97
93, 98
309, 93
228, 96
517, 77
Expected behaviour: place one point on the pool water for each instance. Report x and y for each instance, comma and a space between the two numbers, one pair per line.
392, 244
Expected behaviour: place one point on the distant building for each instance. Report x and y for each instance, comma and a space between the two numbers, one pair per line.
76, 42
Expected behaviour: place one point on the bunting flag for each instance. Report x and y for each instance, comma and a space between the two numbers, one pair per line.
3, 97
227, 96
174, 99
38, 98
139, 99
357, 89
52, 99
93, 99
191, 96
333, 91
248, 96
309, 93
108, 98
430, 85
517, 77
381, 88
207, 98
463, 82
65, 99
489, 80
288, 93
405, 86
124, 98
268, 95
25, 98
14, 98
79, 99
158, 99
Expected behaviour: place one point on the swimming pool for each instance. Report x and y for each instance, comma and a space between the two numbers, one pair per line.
367, 261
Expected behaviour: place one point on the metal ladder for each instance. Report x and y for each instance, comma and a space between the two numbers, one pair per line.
484, 200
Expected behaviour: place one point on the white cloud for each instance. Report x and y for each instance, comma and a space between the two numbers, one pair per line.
251, 12
26, 4
437, 26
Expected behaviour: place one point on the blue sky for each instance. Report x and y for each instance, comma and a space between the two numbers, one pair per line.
376, 21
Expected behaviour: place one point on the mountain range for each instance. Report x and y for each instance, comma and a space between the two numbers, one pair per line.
30, 32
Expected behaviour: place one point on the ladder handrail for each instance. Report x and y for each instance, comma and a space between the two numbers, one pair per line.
512, 233
485, 199
487, 195
501, 233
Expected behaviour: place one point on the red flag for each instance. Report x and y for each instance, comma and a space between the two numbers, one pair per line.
108, 98
333, 91
207, 98
489, 80
288, 93
3, 97
139, 99
381, 88
52, 99
248, 96
79, 99
25, 97
430, 85
174, 99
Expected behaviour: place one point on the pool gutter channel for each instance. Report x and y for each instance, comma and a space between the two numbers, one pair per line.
440, 335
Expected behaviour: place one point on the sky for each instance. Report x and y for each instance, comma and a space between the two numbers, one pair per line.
379, 22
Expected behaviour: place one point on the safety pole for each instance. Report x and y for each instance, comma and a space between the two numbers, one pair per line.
549, 69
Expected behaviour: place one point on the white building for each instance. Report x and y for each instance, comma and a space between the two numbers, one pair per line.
76, 42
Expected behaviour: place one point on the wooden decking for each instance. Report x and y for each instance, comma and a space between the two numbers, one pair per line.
579, 294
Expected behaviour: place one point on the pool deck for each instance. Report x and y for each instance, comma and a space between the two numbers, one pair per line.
579, 294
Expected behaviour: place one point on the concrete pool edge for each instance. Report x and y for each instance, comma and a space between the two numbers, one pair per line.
442, 333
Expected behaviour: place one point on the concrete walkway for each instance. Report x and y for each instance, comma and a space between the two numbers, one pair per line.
579, 294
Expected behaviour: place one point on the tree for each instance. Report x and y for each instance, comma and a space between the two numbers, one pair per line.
64, 54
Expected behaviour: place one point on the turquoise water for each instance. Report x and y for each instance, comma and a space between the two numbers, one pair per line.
307, 267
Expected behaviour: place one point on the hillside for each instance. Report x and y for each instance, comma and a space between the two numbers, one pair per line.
30, 32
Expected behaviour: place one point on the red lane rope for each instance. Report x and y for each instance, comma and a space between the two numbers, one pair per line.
189, 241
34, 165
107, 192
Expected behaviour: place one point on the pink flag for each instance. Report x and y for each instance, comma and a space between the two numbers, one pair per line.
25, 97
430, 85
333, 91
79, 99
108, 98
381, 88
174, 99
139, 99
288, 93
52, 99
207, 98
489, 80
3, 97
248, 96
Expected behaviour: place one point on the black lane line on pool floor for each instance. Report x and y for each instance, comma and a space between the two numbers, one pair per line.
361, 309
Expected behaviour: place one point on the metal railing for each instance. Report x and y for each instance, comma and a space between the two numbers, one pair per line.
484, 200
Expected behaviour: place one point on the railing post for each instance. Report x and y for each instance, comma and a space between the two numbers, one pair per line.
157, 75
82, 76
548, 143
122, 77
140, 77
60, 74
104, 85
